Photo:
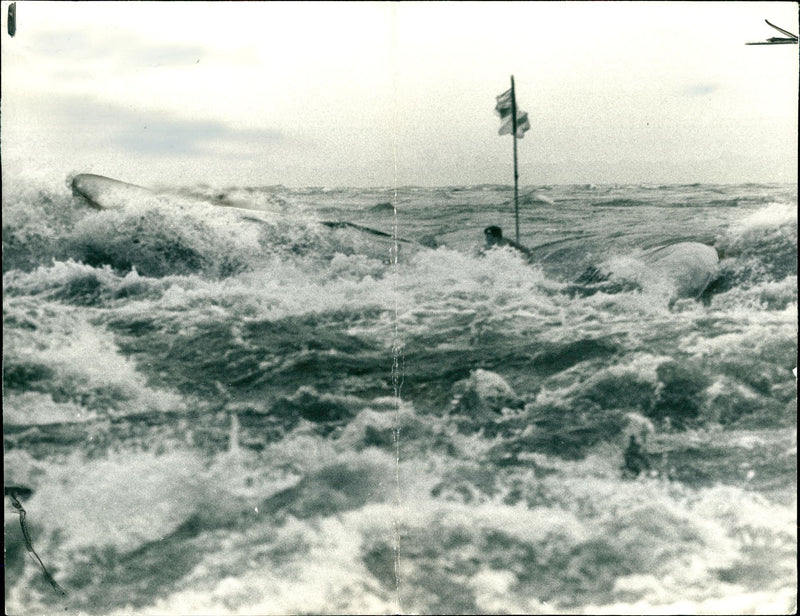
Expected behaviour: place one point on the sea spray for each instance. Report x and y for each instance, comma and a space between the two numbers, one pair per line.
125, 362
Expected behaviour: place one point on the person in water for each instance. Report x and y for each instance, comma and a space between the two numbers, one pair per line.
636, 460
591, 281
494, 237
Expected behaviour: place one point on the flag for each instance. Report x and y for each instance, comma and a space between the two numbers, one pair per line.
522, 125
503, 109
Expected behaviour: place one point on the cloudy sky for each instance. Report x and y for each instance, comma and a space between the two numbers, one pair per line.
399, 93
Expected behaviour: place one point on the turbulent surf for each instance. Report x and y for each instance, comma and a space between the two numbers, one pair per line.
283, 410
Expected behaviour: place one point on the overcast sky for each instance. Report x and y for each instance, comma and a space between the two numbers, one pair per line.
399, 93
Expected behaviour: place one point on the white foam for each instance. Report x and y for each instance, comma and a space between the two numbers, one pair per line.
772, 215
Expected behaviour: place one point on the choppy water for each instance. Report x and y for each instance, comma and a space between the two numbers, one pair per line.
225, 413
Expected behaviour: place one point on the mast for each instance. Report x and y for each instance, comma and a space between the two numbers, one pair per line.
516, 175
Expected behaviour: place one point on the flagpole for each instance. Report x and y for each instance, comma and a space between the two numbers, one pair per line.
516, 175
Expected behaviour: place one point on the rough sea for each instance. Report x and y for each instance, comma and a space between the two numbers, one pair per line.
220, 411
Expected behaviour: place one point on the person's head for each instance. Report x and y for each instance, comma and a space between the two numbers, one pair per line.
493, 235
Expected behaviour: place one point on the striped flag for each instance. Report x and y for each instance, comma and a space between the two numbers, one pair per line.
503, 109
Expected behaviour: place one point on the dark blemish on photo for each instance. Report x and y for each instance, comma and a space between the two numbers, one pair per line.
12, 19
15, 493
